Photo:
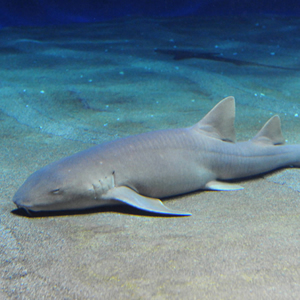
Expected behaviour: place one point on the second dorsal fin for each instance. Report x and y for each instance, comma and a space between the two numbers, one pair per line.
270, 133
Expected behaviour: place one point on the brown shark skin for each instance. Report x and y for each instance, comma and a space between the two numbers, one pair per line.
139, 169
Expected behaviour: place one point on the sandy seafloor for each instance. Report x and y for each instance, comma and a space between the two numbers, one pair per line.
63, 89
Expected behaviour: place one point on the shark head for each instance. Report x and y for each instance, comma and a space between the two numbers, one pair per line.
58, 186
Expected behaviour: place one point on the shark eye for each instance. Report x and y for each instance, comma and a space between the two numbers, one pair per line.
55, 192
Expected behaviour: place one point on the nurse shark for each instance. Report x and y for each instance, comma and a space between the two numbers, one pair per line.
140, 170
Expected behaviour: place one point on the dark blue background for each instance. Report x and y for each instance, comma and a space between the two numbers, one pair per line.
43, 12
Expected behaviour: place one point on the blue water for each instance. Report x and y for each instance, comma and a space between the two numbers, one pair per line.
45, 12
92, 73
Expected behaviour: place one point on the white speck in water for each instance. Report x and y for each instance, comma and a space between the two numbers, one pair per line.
90, 80
42, 92
296, 115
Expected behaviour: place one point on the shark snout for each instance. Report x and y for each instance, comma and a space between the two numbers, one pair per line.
20, 201
24, 201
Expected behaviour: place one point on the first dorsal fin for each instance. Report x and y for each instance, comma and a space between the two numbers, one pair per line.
219, 122
270, 133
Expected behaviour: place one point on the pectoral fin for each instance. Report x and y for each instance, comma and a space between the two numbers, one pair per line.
130, 197
222, 186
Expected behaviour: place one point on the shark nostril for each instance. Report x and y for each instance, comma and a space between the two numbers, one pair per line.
16, 201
